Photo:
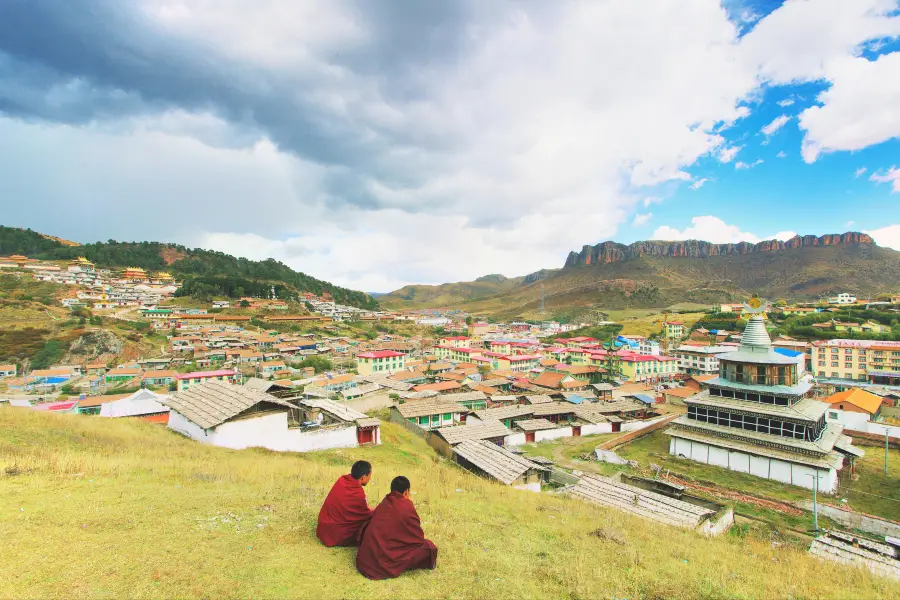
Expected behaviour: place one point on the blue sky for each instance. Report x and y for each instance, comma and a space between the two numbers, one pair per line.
376, 143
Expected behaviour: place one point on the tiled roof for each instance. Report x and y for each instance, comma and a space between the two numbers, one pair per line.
499, 463
212, 403
483, 431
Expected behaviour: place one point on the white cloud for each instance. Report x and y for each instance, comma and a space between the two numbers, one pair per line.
849, 224
891, 176
783, 236
726, 155
713, 229
781, 154
888, 236
742, 165
859, 172
641, 219
498, 148
699, 183
786, 102
775, 125
858, 110
707, 228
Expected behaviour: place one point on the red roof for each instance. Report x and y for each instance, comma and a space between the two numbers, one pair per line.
519, 357
379, 354
455, 337
220, 373
646, 358
55, 406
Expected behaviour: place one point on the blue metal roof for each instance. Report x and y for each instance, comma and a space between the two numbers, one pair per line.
786, 352
575, 399
646, 399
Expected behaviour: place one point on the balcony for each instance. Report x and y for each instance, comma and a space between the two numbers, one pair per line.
747, 378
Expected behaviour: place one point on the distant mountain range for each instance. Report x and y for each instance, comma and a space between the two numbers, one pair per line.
205, 273
656, 274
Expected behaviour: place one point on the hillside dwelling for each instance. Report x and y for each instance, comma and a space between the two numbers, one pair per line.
854, 408
187, 380
161, 378
843, 298
429, 413
379, 361
444, 439
142, 404
494, 462
239, 417
471, 400
269, 368
49, 376
703, 517
8, 370
116, 375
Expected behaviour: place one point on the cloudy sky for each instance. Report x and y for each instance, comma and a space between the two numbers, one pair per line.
379, 143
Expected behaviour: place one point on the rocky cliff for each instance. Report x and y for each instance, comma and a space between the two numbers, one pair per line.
609, 252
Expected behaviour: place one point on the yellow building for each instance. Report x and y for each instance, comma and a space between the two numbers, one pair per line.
647, 367
455, 341
673, 329
519, 362
858, 360
379, 361
477, 330
135, 273
874, 327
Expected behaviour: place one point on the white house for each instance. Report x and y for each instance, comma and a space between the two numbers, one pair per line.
844, 298
238, 417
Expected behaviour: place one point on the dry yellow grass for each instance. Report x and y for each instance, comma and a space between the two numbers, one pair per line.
102, 508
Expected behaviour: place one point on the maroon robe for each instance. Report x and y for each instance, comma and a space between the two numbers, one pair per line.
344, 513
393, 541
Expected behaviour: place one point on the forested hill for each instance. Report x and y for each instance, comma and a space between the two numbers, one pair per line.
204, 272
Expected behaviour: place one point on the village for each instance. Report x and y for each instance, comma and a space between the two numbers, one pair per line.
533, 405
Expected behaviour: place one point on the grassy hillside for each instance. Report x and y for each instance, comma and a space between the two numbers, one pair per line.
437, 296
116, 508
654, 282
205, 273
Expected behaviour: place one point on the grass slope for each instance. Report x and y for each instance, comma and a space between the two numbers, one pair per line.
96, 508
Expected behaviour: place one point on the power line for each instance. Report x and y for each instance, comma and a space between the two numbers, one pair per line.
876, 495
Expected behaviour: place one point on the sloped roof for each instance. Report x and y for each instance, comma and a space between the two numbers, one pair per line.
260, 385
483, 431
504, 412
859, 398
539, 399
431, 406
212, 403
464, 397
534, 424
340, 411
499, 463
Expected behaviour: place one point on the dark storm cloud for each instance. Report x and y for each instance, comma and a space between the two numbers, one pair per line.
73, 62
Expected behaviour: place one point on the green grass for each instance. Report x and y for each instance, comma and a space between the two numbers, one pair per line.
872, 493
108, 508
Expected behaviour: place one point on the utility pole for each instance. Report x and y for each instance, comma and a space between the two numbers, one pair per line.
815, 500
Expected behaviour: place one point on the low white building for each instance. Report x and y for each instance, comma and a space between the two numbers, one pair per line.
238, 417
844, 298
142, 403
700, 360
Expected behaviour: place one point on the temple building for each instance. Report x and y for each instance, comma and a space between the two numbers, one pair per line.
758, 417
135, 274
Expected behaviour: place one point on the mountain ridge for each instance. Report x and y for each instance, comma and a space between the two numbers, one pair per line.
610, 251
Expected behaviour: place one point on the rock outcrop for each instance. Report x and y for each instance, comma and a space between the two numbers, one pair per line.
608, 252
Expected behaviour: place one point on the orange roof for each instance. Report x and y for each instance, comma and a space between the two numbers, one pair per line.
98, 400
860, 398
159, 374
549, 379
680, 392
443, 386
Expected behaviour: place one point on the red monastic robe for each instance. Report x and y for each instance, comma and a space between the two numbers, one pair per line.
393, 541
344, 513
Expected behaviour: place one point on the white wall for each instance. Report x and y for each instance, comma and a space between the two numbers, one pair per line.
552, 434
635, 425
767, 468
595, 428
266, 431
529, 487
849, 419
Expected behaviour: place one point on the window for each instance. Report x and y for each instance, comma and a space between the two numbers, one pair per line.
423, 420
833, 414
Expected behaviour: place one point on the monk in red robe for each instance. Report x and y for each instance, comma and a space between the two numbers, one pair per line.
346, 511
393, 540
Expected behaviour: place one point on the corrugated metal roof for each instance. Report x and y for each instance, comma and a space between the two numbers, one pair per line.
499, 463
483, 431
212, 403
